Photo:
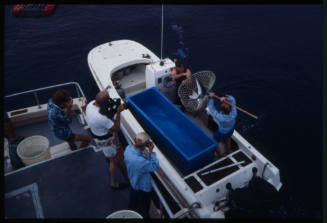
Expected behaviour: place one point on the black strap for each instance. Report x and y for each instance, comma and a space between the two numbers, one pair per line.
107, 136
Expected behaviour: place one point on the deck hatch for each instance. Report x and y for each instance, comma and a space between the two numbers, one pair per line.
193, 184
240, 156
214, 177
25, 199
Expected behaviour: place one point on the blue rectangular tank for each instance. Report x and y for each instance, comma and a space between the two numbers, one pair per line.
178, 137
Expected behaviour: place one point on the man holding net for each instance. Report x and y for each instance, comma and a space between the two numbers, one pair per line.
226, 118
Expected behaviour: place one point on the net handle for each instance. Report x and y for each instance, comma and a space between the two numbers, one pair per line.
242, 110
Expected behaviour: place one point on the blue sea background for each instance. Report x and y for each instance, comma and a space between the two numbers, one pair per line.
268, 57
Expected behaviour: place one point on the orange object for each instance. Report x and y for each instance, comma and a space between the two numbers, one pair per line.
32, 10
49, 9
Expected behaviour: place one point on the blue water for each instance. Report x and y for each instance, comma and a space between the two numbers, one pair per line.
268, 57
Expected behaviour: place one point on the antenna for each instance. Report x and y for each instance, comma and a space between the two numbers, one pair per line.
161, 62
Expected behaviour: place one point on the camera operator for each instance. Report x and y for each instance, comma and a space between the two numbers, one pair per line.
104, 131
140, 163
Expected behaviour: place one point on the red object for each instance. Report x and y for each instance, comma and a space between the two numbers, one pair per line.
49, 9
16, 11
33, 10
172, 68
253, 157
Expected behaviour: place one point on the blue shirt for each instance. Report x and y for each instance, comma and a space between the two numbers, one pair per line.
226, 121
139, 168
58, 121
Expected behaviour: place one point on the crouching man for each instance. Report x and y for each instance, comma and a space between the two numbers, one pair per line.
140, 163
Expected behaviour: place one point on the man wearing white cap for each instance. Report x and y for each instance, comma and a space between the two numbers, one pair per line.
139, 164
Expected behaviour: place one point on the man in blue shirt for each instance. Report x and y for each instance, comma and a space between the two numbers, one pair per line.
139, 164
59, 120
226, 120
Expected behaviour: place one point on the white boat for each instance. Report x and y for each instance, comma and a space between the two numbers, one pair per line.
191, 195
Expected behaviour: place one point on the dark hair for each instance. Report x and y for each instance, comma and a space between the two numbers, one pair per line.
225, 108
178, 63
60, 97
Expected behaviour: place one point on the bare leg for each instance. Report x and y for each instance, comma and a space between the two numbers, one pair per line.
11, 131
120, 156
112, 170
218, 151
72, 145
228, 145
121, 160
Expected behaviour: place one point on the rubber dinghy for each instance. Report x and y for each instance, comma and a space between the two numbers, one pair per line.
33, 10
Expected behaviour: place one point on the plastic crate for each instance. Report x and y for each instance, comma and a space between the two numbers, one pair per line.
179, 138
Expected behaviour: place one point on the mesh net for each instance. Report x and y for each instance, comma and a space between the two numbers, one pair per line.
188, 91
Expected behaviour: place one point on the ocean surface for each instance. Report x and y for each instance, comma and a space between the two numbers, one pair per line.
268, 57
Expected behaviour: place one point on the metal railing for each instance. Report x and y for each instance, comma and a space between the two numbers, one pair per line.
78, 88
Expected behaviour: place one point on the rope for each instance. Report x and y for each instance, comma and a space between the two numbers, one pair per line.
162, 17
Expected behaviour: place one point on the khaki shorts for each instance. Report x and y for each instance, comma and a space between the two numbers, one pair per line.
108, 148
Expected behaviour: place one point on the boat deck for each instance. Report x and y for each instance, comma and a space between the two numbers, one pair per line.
42, 128
134, 81
69, 185
75, 185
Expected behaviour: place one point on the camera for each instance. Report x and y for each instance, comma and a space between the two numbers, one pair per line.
109, 107
148, 143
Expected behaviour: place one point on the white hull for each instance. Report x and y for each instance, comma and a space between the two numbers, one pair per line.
108, 58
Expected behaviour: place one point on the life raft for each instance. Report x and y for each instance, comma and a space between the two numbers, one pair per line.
32, 10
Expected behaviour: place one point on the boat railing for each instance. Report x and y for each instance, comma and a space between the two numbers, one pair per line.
35, 92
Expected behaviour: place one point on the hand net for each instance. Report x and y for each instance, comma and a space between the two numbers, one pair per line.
193, 98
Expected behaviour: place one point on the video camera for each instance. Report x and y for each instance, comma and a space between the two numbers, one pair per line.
109, 107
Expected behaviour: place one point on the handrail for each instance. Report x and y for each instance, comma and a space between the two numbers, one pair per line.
46, 88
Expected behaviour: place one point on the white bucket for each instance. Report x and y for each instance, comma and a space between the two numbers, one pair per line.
33, 149
125, 214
